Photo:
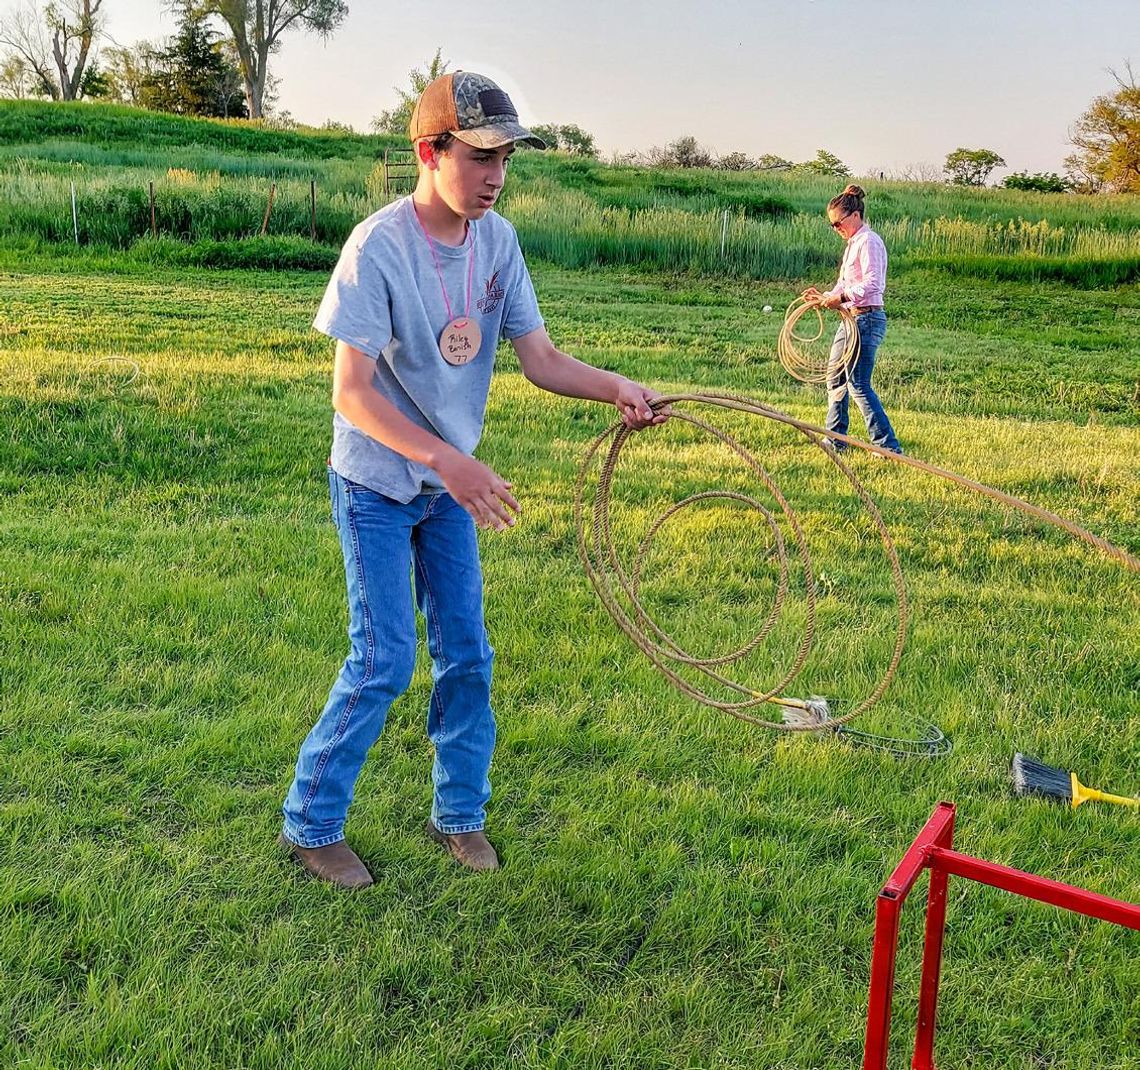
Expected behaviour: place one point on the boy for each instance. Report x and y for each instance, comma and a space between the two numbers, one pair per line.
412, 371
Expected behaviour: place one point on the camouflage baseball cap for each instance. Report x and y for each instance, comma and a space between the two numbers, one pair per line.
473, 109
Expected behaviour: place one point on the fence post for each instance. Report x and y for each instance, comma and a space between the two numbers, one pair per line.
723, 233
313, 209
268, 210
74, 214
153, 226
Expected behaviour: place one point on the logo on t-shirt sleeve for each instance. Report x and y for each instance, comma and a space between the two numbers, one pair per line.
493, 294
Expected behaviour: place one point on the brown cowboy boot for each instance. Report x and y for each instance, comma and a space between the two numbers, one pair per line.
336, 863
470, 849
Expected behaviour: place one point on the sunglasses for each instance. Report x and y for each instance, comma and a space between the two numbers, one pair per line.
839, 222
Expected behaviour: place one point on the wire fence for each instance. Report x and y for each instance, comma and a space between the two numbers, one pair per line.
564, 225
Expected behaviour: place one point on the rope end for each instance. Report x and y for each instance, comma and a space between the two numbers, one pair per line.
811, 713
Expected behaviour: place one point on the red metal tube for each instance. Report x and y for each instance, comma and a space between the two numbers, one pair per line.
915, 861
938, 829
932, 955
932, 849
1033, 887
883, 952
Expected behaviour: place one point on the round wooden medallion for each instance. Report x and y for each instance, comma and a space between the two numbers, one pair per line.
460, 341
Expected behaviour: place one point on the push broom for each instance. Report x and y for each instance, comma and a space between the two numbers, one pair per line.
1031, 777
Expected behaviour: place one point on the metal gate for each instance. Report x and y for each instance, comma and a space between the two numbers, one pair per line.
399, 172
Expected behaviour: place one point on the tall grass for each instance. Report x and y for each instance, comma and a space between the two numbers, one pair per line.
71, 156
25, 121
777, 192
1019, 237
569, 228
212, 183
113, 206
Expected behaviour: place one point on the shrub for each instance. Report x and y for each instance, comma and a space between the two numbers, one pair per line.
1042, 182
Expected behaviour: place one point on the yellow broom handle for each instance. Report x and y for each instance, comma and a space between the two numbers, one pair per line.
1103, 796
1082, 794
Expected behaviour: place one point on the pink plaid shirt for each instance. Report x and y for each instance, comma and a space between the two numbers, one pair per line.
863, 273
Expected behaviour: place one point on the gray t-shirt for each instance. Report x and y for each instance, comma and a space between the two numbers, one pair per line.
385, 299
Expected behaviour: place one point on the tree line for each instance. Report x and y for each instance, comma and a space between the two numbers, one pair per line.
217, 64
51, 50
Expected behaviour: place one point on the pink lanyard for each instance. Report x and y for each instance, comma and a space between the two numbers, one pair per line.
439, 270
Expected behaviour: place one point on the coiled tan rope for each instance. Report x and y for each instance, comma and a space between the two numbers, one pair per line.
618, 588
815, 365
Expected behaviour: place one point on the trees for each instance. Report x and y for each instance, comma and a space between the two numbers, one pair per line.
736, 161
397, 119
95, 85
574, 140
127, 68
55, 43
769, 161
549, 133
1042, 182
256, 27
193, 75
569, 138
17, 79
689, 153
825, 163
922, 171
1107, 138
686, 152
971, 167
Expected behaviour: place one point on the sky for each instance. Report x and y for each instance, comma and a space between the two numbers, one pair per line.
886, 85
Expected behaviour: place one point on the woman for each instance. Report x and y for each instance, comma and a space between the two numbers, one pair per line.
862, 283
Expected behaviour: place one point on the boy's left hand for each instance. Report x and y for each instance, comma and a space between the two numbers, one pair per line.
632, 402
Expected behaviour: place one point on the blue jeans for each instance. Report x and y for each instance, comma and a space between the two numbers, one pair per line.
872, 327
384, 544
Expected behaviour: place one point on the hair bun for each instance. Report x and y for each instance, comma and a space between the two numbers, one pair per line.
855, 191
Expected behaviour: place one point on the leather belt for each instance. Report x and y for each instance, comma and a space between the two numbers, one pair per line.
859, 310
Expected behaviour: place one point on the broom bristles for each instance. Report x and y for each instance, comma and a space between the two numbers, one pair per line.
1031, 777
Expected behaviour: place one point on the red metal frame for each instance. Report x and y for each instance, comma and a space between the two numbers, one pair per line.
932, 849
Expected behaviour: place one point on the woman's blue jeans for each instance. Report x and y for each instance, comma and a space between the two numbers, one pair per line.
385, 543
872, 327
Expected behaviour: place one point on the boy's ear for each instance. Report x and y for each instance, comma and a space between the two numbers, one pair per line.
426, 154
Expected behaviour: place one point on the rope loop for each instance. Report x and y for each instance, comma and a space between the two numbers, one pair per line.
816, 365
619, 588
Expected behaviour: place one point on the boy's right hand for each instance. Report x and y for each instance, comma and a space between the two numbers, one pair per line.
480, 490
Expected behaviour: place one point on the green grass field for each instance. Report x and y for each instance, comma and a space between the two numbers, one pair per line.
679, 889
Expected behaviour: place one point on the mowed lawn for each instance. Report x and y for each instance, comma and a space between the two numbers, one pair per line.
680, 889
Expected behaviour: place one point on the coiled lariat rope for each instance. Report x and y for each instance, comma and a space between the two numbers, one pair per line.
809, 366
618, 588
